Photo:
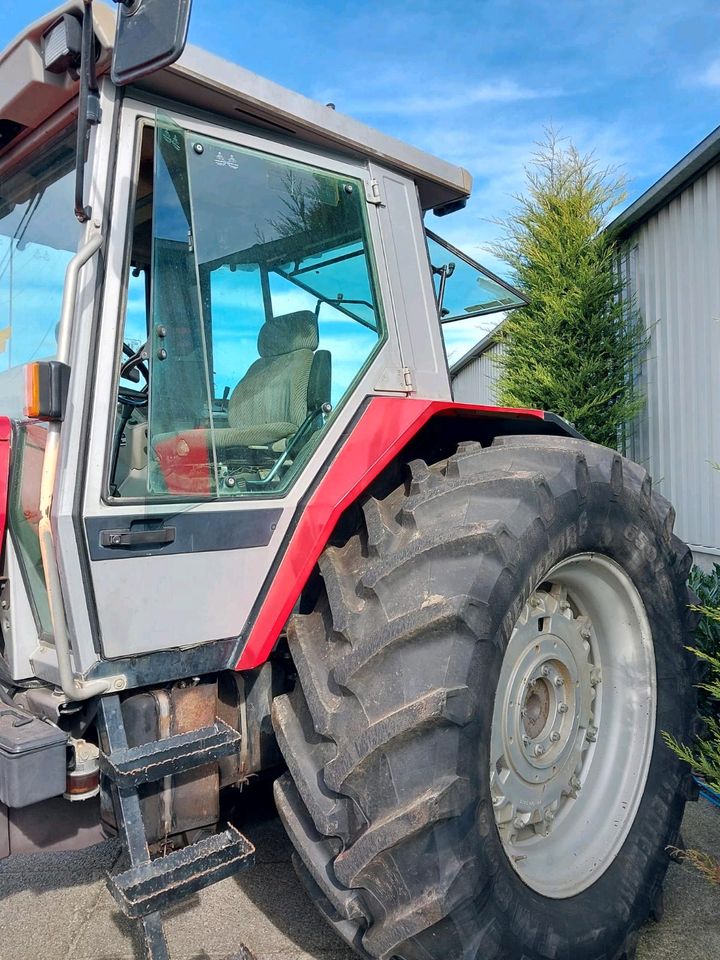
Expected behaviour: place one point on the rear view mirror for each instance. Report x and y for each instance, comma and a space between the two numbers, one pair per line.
150, 35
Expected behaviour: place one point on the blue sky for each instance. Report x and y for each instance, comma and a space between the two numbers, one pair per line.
636, 82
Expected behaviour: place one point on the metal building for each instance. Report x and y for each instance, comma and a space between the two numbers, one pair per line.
671, 243
475, 374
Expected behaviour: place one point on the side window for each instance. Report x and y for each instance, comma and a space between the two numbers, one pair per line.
263, 314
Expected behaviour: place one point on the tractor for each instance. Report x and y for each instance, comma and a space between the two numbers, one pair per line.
247, 532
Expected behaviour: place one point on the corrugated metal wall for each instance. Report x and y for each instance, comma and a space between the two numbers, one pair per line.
674, 266
475, 382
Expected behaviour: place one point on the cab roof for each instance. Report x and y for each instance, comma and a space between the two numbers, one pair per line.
29, 96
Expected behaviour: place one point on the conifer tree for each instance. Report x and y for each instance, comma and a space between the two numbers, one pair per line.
574, 348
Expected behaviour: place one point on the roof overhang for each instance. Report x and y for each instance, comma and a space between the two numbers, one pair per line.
29, 96
692, 166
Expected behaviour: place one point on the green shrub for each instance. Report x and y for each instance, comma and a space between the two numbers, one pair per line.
706, 585
704, 755
574, 347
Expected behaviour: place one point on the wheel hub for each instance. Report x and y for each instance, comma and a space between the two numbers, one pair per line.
547, 711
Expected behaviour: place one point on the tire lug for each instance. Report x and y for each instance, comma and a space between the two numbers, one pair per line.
562, 708
591, 734
575, 783
558, 681
518, 823
555, 736
545, 671
539, 750
548, 816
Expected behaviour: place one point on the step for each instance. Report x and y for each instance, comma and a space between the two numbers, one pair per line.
132, 766
149, 887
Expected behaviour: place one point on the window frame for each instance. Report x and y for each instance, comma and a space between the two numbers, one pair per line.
277, 148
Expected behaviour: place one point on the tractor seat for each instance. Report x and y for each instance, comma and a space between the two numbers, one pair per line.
289, 380
283, 393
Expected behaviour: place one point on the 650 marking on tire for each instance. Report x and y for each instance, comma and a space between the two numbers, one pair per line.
475, 767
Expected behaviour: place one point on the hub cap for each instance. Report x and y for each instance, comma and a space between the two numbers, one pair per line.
573, 725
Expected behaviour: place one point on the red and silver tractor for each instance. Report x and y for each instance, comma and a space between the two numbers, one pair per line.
246, 529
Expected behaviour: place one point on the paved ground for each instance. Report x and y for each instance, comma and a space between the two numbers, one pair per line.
56, 907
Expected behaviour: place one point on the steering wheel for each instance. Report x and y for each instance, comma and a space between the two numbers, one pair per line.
135, 368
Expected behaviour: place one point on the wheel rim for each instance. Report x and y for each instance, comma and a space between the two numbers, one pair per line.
573, 725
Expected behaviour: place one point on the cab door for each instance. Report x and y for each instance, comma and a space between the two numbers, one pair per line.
250, 328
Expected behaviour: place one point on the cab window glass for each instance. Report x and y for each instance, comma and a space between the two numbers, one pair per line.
263, 314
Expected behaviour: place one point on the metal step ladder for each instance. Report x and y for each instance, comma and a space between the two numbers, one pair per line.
150, 886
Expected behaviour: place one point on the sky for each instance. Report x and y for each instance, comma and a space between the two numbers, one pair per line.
637, 83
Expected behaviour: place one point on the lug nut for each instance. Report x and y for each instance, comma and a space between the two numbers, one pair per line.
518, 823
555, 736
545, 671
585, 633
548, 816
539, 750
562, 708
564, 605
591, 734
525, 739
559, 681
575, 782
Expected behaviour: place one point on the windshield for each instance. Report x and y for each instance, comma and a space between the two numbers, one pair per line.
38, 236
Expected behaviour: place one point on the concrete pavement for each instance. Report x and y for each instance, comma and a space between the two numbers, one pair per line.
57, 907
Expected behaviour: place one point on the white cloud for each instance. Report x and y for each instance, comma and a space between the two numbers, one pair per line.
456, 97
710, 77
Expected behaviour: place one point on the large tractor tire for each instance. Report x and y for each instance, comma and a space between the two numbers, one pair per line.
474, 743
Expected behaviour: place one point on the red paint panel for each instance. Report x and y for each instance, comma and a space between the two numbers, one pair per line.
5, 435
385, 427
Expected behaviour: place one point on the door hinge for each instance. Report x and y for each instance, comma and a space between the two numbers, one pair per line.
372, 192
395, 380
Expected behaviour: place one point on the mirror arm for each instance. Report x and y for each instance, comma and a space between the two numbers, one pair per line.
88, 109
444, 273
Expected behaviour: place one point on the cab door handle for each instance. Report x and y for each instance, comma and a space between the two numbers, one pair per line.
137, 538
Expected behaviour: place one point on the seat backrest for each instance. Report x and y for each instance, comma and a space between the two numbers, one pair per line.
271, 400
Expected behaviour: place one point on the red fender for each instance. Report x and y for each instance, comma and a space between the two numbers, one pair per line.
384, 428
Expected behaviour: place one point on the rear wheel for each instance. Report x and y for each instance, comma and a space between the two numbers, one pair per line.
475, 766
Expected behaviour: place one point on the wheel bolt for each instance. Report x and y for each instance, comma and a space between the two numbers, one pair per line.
497, 801
559, 681
518, 823
525, 739
585, 633
545, 671
564, 605
591, 734
548, 816
562, 708
575, 782
539, 750
555, 736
